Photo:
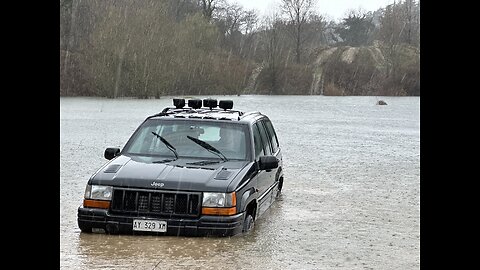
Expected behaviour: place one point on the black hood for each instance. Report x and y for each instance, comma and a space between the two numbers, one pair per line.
140, 172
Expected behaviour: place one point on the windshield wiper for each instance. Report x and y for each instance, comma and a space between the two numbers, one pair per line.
203, 162
169, 146
163, 161
207, 146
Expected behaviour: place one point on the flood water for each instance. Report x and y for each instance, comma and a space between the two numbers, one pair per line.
351, 195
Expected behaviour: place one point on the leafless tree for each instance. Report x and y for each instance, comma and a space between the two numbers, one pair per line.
298, 12
233, 16
399, 30
272, 49
208, 6
250, 21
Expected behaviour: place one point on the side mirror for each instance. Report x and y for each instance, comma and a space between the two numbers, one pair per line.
268, 162
111, 153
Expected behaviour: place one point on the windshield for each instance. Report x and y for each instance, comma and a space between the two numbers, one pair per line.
227, 138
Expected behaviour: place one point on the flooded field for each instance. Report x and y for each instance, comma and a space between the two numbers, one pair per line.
351, 196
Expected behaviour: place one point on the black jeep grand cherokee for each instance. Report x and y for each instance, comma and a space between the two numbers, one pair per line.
187, 171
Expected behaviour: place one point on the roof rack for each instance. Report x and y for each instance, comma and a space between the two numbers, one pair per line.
195, 109
249, 113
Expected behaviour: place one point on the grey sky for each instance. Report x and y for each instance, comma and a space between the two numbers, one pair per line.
335, 9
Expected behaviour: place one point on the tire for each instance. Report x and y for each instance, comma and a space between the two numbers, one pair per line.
248, 224
279, 187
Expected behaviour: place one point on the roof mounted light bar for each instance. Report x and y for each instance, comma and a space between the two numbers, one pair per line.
210, 103
195, 107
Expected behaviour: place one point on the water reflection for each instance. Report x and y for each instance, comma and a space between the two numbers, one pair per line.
144, 251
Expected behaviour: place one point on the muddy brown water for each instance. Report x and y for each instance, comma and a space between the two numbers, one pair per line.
351, 195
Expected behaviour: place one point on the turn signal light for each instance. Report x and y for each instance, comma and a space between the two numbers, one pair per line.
214, 211
96, 204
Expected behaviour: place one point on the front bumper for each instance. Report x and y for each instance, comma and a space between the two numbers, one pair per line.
202, 226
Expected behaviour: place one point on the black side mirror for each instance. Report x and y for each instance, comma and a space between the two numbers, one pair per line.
111, 153
268, 162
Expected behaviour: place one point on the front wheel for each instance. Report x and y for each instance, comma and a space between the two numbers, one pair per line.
248, 224
279, 187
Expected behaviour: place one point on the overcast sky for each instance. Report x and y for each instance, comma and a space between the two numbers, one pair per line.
335, 9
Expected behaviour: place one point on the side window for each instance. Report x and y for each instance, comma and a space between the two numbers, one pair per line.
257, 142
265, 140
273, 136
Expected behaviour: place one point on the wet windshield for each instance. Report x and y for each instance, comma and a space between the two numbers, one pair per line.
228, 138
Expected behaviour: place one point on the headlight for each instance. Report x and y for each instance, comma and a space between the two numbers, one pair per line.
88, 191
219, 199
95, 192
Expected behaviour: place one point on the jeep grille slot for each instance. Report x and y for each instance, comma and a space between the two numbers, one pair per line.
136, 202
168, 203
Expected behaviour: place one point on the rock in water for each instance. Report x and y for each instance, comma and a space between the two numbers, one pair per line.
381, 102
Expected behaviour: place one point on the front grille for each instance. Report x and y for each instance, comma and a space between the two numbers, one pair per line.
155, 203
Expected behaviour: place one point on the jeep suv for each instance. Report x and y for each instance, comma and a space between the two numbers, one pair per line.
188, 170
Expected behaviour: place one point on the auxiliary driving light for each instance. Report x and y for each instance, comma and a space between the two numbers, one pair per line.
178, 103
195, 103
210, 103
226, 104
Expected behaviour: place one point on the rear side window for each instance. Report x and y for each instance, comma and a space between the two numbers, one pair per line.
257, 142
265, 140
272, 135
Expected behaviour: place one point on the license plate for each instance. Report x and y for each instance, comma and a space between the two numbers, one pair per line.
147, 225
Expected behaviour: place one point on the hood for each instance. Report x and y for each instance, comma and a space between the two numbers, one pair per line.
140, 172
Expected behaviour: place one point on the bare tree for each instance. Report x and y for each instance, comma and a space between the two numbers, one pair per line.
412, 15
233, 16
72, 7
250, 21
399, 31
298, 12
272, 49
208, 6
400, 23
